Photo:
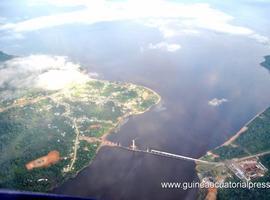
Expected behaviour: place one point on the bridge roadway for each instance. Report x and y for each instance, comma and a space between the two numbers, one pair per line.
134, 148
169, 155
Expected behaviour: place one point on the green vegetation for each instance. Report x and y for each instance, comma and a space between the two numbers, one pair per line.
229, 152
85, 158
256, 139
37, 122
25, 136
253, 141
244, 193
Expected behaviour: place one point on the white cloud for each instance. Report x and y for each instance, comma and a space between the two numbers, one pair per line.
217, 102
40, 71
59, 79
60, 3
2, 19
165, 46
170, 27
93, 74
260, 38
171, 18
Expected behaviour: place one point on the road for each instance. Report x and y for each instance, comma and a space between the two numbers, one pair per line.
25, 102
253, 156
170, 155
75, 146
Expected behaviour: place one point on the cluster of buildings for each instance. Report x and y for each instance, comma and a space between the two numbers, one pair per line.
247, 169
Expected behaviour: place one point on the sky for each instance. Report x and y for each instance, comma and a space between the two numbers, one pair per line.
171, 18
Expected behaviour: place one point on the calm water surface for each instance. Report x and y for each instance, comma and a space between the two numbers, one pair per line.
207, 67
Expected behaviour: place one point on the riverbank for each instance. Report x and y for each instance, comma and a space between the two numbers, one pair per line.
116, 127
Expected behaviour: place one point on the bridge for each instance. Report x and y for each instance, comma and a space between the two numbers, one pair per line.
171, 155
134, 148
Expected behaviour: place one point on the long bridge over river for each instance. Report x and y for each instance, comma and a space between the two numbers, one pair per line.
169, 155
134, 148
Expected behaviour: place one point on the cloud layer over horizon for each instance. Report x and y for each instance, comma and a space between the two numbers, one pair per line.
170, 18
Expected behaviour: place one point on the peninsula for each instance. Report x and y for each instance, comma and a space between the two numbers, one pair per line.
48, 136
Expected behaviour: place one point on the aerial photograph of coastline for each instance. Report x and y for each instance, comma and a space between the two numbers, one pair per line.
135, 99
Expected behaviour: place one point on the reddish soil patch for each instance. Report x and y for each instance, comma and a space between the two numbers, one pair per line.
45, 161
95, 126
212, 194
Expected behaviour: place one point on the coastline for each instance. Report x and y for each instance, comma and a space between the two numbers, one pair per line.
226, 143
240, 132
118, 125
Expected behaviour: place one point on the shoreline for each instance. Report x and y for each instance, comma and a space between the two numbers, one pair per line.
239, 132
229, 142
110, 131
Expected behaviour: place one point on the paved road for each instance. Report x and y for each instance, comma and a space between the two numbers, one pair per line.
170, 155
255, 155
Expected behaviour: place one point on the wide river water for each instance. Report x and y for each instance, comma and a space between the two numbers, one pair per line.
209, 65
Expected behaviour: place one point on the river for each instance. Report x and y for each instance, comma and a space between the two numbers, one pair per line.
206, 67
